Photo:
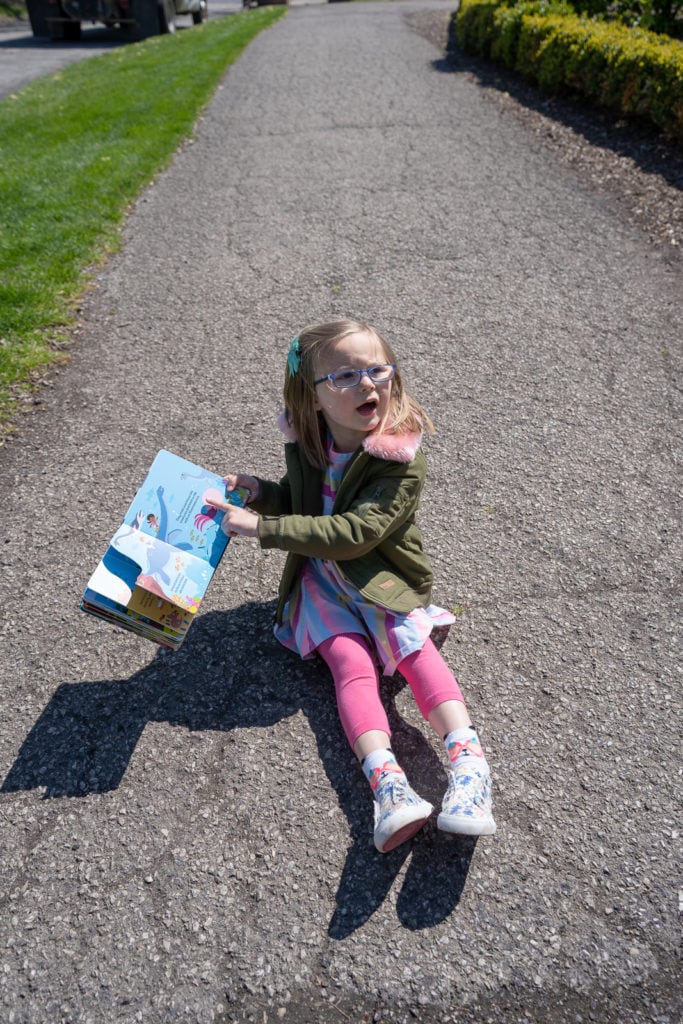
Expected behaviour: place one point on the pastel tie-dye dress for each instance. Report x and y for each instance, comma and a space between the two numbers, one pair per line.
323, 604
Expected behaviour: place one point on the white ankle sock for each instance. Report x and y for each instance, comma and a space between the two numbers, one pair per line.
463, 745
378, 762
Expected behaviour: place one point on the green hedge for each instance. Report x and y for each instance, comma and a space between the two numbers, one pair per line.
629, 70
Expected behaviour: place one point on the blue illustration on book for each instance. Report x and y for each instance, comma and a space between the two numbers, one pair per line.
155, 572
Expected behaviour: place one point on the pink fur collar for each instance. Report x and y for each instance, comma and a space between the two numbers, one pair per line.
391, 447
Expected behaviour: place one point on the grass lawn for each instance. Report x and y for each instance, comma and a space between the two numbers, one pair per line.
12, 9
76, 148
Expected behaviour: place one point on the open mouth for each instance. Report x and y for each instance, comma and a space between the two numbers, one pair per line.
367, 408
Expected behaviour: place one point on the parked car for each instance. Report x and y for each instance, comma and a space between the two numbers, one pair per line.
62, 19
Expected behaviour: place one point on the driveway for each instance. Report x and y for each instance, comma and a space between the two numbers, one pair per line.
185, 836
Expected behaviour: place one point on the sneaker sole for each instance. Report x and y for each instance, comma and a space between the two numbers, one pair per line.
466, 826
403, 834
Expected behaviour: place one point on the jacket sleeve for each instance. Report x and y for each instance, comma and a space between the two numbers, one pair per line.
381, 506
274, 499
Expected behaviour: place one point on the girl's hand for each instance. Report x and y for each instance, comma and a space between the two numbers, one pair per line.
239, 522
236, 522
234, 480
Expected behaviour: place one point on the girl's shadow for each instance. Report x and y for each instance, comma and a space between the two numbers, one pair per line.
230, 673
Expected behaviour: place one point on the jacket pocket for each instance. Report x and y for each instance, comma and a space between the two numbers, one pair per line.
384, 587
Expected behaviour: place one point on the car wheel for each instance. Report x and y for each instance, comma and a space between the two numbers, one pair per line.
201, 15
146, 14
38, 11
167, 17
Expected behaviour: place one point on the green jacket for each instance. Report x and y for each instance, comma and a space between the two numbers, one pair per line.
371, 533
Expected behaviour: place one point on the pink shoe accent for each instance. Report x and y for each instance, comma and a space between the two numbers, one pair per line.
403, 834
375, 774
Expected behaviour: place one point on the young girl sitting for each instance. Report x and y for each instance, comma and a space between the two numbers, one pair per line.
356, 584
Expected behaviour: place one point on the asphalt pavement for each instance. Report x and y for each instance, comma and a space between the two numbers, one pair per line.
185, 836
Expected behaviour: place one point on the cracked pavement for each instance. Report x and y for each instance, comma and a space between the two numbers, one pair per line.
185, 836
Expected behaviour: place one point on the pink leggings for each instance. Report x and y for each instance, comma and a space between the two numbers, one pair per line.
356, 682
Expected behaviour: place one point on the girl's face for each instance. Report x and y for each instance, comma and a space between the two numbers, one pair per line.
352, 413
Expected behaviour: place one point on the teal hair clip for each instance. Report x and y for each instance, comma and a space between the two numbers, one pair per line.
294, 356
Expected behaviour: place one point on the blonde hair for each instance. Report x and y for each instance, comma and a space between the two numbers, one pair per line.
403, 415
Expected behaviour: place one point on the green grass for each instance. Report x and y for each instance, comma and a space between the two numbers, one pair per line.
76, 148
9, 9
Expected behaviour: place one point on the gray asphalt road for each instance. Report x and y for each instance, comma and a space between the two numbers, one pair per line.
185, 837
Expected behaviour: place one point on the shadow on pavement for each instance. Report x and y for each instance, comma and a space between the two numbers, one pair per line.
231, 673
630, 138
436, 874
94, 38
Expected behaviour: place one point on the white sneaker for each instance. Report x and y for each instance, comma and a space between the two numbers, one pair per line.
467, 806
399, 811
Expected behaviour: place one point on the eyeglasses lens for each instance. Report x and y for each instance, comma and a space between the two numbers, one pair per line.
351, 378
383, 372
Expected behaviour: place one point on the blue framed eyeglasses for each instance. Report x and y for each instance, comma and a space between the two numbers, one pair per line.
342, 379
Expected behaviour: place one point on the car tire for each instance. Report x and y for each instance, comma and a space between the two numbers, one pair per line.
146, 14
38, 11
167, 17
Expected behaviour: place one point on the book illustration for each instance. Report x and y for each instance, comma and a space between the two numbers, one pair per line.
159, 563
135, 559
170, 506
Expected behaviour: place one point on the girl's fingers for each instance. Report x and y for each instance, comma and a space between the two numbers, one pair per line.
236, 520
213, 497
239, 522
250, 483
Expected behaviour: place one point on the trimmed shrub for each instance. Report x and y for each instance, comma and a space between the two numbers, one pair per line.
507, 24
655, 15
629, 70
475, 26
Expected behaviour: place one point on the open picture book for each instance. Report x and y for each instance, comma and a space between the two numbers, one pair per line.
160, 561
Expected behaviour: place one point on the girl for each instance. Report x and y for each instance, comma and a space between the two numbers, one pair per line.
356, 584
